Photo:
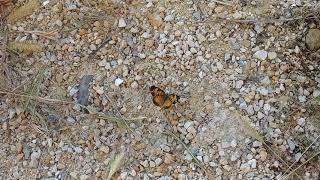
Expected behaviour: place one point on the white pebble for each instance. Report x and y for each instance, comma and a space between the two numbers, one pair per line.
261, 54
102, 63
118, 82
122, 23
301, 121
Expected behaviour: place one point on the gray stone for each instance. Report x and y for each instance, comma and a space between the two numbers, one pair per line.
261, 55
71, 119
316, 93
291, 144
302, 99
256, 144
297, 156
169, 18
272, 55
266, 80
250, 110
239, 84
301, 121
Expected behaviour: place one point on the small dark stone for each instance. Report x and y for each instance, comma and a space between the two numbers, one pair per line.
83, 94
52, 118
26, 152
197, 16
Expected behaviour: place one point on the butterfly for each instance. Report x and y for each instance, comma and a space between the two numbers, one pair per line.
161, 99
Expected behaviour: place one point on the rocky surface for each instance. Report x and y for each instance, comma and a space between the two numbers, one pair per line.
249, 91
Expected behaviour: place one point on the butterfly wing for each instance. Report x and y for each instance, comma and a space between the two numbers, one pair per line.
158, 95
169, 101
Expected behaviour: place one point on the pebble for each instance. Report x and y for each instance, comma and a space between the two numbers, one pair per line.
266, 107
263, 155
102, 63
122, 23
245, 167
266, 80
188, 124
253, 163
84, 177
250, 110
123, 175
105, 149
73, 91
301, 121
78, 150
93, 47
239, 84
233, 143
99, 90
235, 156
302, 99
272, 55
169, 18
261, 55
158, 161
237, 15
71, 119
263, 91
316, 93
118, 82
219, 66
134, 85
256, 144
260, 115
297, 156
291, 144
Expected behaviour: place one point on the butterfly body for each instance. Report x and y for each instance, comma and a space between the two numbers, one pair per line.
161, 99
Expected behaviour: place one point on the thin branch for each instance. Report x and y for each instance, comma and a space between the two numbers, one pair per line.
36, 97
223, 3
301, 165
301, 156
48, 35
266, 20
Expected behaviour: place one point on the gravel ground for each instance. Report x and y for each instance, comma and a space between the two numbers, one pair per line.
247, 73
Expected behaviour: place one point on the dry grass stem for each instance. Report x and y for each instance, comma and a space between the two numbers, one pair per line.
49, 35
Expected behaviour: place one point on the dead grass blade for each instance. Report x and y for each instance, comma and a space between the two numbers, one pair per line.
115, 164
23, 11
223, 3
298, 159
251, 131
25, 47
34, 88
49, 35
122, 122
293, 171
256, 135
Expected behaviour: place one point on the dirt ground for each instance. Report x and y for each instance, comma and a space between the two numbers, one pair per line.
75, 100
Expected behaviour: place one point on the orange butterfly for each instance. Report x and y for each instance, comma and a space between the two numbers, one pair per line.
161, 99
